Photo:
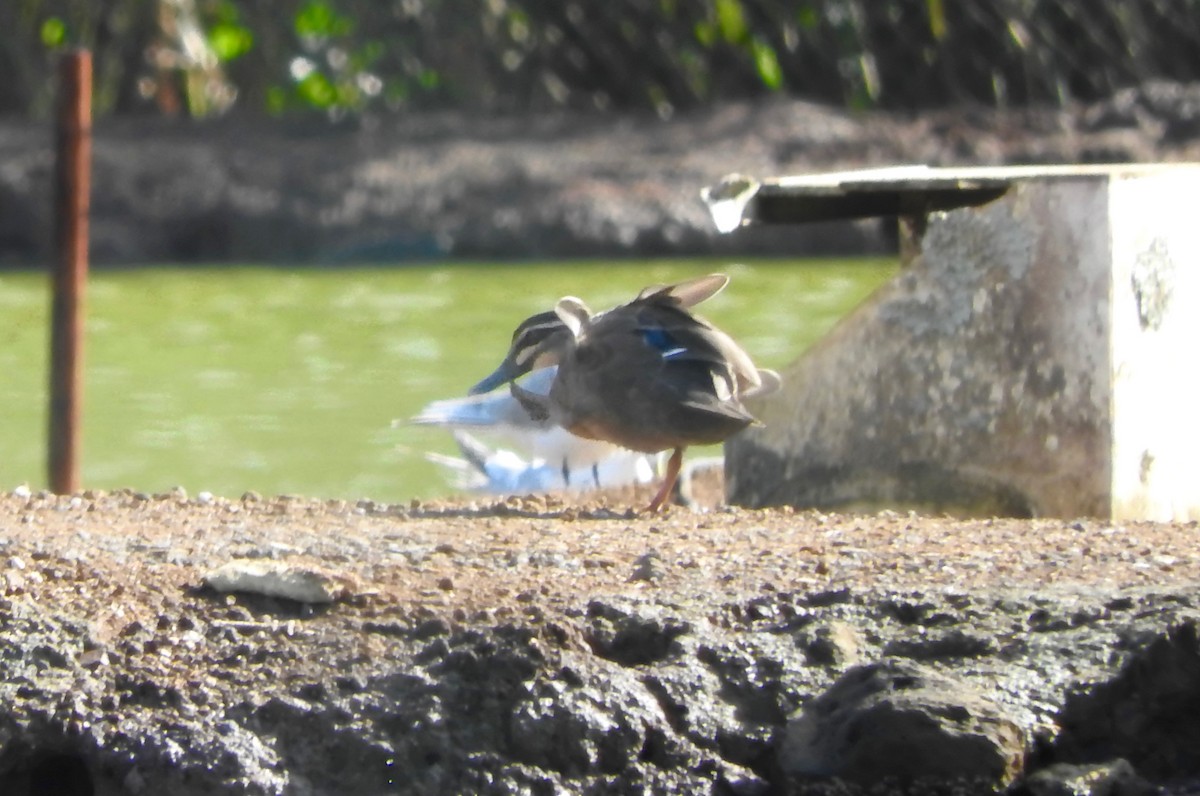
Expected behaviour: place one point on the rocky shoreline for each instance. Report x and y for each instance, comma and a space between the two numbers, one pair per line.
432, 187
535, 647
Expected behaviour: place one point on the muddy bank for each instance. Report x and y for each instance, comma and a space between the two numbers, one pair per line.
535, 647
456, 186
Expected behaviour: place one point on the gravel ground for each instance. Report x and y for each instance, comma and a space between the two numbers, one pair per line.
124, 557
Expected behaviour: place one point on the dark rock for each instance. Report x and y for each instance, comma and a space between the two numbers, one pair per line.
1149, 714
896, 720
648, 567
837, 645
955, 644
1116, 778
753, 683
826, 598
632, 640
509, 708
574, 731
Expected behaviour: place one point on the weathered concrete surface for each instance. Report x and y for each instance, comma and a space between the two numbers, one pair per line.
1155, 329
975, 381
1025, 361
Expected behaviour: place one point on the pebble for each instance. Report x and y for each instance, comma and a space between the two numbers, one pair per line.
273, 579
648, 567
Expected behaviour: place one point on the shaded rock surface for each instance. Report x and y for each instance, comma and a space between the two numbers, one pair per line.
1098, 779
449, 185
505, 648
898, 719
1161, 690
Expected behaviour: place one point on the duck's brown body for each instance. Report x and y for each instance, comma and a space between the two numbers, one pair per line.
616, 385
647, 375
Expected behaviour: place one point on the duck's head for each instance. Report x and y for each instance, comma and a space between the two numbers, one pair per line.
537, 342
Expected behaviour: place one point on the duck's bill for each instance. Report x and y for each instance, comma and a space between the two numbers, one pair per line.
497, 378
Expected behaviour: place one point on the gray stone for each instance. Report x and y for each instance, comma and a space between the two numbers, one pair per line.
632, 639
1116, 778
896, 720
837, 645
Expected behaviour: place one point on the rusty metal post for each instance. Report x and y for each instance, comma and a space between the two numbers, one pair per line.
72, 192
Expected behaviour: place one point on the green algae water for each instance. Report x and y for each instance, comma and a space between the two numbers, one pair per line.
287, 382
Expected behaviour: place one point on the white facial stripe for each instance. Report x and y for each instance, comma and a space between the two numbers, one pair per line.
545, 326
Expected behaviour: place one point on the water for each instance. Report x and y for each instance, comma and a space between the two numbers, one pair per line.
235, 379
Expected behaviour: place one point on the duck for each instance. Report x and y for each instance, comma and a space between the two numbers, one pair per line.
553, 460
538, 341
648, 375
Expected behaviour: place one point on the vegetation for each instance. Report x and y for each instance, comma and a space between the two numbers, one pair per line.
340, 57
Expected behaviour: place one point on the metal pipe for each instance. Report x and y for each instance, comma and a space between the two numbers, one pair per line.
69, 279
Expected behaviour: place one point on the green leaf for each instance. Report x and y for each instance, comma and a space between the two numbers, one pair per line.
396, 91
937, 18
277, 100
317, 90
319, 19
225, 11
371, 52
767, 64
730, 20
706, 33
54, 32
230, 40
429, 79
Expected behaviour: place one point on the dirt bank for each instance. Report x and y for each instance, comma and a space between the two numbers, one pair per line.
430, 186
690, 636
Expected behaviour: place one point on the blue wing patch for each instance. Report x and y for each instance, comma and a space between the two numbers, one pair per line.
661, 341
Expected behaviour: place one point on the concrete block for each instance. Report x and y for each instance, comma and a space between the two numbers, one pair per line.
1035, 356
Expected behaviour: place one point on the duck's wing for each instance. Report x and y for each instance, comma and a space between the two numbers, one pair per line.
680, 336
688, 293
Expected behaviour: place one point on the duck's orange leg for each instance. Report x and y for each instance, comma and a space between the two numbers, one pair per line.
672, 475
